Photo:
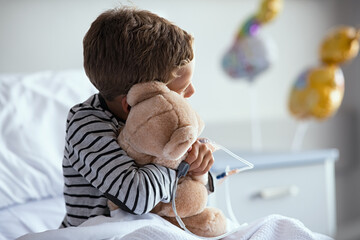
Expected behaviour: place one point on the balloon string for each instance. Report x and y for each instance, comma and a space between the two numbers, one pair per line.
299, 135
255, 122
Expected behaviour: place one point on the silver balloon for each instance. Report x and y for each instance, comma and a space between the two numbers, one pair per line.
249, 56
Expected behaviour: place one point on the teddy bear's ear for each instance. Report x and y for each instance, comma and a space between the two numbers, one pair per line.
142, 91
180, 141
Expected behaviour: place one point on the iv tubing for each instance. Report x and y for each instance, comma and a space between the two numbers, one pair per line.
228, 203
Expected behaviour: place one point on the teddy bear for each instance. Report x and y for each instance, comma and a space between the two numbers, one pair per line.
160, 129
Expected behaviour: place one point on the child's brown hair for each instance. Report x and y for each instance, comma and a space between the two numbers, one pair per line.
125, 46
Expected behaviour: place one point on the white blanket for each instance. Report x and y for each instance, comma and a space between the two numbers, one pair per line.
122, 226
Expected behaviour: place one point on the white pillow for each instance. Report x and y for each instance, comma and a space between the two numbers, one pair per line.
33, 112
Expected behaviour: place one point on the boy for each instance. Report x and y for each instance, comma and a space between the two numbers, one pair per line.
123, 47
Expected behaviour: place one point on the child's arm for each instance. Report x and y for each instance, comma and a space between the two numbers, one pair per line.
92, 150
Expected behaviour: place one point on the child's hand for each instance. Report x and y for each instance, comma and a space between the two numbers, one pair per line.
200, 158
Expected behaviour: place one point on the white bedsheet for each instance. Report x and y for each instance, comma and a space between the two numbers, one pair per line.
124, 226
31, 217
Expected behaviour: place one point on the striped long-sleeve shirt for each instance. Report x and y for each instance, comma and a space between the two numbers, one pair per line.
96, 169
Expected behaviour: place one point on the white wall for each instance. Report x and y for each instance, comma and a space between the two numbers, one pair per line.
47, 34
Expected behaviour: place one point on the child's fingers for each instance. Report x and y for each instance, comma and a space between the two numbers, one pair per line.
200, 158
197, 163
204, 163
211, 147
208, 143
192, 155
205, 166
204, 159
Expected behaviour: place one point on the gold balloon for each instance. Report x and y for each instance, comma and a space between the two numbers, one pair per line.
269, 9
342, 44
317, 93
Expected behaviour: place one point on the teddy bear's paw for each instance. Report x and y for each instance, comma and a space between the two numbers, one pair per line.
209, 223
213, 223
191, 199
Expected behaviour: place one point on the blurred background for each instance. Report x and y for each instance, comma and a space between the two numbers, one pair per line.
39, 35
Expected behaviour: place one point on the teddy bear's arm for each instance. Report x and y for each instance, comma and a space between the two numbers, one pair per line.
191, 199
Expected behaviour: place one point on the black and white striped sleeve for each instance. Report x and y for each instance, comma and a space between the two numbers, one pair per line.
93, 151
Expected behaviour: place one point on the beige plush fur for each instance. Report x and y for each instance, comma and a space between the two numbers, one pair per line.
160, 129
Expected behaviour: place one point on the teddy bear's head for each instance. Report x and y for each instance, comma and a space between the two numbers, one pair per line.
161, 125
